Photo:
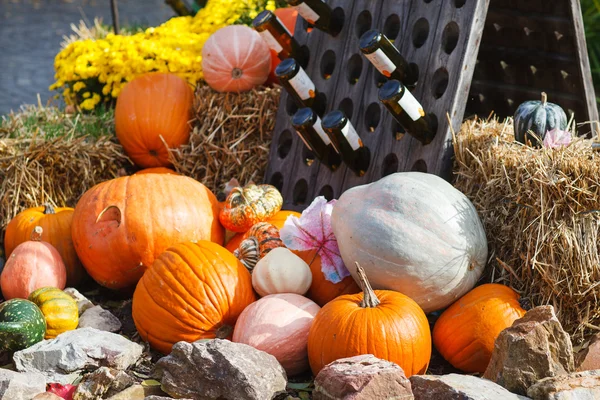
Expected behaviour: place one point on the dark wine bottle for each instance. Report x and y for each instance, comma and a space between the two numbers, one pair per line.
299, 85
409, 113
319, 14
346, 141
308, 126
277, 36
384, 56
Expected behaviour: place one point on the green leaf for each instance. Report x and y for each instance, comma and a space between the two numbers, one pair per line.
151, 382
304, 395
140, 375
300, 386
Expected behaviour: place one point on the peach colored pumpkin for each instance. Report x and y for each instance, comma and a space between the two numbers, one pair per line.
235, 59
278, 324
32, 265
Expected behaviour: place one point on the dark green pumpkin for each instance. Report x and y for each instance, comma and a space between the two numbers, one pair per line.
22, 325
538, 117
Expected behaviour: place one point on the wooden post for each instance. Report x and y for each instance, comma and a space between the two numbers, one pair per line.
115, 15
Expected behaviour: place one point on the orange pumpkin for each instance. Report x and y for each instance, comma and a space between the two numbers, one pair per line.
384, 323
321, 290
56, 230
258, 242
32, 265
235, 59
151, 114
156, 170
465, 332
246, 206
277, 220
192, 291
120, 226
287, 16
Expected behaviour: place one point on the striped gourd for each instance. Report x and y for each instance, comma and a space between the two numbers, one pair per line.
22, 324
59, 309
258, 241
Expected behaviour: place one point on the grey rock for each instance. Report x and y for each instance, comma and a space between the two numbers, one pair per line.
220, 369
63, 358
19, 385
458, 387
102, 382
99, 318
583, 385
137, 392
47, 396
82, 302
534, 347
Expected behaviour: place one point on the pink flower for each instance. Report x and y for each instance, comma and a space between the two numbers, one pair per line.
312, 231
556, 138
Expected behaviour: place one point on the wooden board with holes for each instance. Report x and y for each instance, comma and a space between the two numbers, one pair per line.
466, 65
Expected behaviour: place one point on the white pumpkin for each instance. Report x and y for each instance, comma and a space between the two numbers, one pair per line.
413, 233
281, 271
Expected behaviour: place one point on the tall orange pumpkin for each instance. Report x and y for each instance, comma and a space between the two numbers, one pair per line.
56, 227
120, 226
192, 291
465, 332
278, 220
384, 323
235, 59
152, 108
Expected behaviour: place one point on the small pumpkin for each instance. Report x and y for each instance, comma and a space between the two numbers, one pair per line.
22, 324
32, 265
235, 59
276, 220
59, 309
56, 226
192, 291
538, 117
246, 206
384, 323
152, 115
156, 170
120, 226
465, 332
258, 242
281, 271
278, 324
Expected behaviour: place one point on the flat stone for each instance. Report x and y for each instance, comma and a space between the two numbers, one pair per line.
458, 387
20, 385
534, 347
220, 369
101, 383
82, 302
137, 392
583, 385
63, 358
363, 377
589, 358
99, 318
47, 396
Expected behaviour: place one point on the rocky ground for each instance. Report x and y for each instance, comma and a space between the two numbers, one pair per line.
31, 32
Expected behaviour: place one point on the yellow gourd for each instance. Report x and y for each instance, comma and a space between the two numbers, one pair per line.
59, 309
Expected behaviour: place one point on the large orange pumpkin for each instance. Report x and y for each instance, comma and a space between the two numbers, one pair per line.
235, 59
321, 290
278, 220
156, 170
151, 114
56, 230
192, 291
287, 16
465, 332
384, 323
120, 226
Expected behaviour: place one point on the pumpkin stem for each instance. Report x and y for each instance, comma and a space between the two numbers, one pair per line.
237, 73
370, 299
48, 209
110, 213
544, 98
36, 235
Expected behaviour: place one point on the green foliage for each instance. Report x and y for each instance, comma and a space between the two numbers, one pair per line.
591, 22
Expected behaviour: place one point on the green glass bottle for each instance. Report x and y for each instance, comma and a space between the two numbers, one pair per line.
308, 126
277, 37
384, 56
346, 141
319, 14
299, 85
409, 113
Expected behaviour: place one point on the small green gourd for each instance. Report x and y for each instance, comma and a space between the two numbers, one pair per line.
22, 325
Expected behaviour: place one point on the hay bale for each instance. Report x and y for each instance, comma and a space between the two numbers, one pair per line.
541, 212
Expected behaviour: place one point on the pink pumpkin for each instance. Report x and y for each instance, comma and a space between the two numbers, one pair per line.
235, 59
32, 265
278, 324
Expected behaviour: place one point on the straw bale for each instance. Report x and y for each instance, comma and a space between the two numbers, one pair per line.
541, 212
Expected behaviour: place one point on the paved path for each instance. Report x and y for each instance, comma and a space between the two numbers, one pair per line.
31, 33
